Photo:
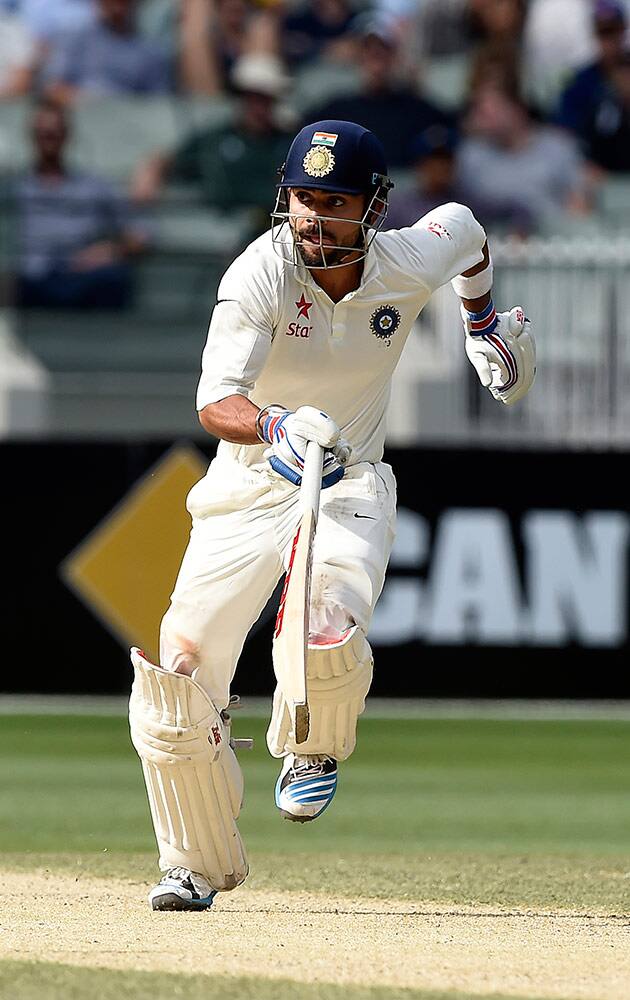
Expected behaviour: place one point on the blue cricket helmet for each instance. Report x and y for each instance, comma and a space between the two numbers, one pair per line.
336, 156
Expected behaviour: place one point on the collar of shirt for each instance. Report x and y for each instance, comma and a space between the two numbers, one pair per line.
371, 270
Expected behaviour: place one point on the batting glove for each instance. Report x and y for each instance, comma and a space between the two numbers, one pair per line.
501, 349
288, 432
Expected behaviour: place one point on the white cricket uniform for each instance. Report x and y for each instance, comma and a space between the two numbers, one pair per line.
275, 336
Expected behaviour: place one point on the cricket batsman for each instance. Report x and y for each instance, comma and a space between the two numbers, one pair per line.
309, 324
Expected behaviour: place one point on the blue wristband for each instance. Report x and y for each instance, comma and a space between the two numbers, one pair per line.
484, 322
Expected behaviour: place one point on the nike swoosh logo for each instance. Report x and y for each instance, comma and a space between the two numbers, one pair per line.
366, 516
219, 301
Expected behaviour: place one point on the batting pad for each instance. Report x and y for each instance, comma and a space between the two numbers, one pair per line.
339, 675
194, 783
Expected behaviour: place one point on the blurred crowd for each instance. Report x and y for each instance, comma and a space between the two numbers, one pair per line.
519, 108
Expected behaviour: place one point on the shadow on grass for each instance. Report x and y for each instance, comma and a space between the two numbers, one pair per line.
572, 882
50, 981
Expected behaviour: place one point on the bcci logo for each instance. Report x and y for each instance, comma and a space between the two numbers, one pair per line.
384, 322
319, 161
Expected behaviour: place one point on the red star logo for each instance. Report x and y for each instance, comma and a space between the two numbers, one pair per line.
303, 307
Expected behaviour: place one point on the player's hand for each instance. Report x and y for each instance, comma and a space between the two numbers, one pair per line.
505, 360
288, 432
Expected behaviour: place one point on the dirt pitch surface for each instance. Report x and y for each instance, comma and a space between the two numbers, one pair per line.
46, 916
316, 938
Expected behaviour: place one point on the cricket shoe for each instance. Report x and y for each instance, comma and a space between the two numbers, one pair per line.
181, 889
305, 786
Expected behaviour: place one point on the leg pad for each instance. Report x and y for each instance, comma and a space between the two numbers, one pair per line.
194, 783
339, 675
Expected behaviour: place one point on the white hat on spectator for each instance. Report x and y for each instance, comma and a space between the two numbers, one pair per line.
260, 73
378, 24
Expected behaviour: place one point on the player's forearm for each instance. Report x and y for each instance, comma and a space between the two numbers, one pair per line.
476, 303
232, 419
474, 287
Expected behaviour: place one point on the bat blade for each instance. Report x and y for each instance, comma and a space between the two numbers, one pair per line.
290, 642
290, 645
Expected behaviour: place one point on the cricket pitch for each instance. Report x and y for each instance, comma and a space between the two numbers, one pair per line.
311, 938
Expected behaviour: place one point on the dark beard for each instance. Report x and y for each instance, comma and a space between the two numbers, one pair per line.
315, 256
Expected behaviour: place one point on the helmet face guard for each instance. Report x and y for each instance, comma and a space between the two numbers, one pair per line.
288, 245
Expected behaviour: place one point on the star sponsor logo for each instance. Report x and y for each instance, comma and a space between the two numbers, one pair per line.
303, 306
297, 329
384, 322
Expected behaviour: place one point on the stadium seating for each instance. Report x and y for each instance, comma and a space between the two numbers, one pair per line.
445, 80
113, 135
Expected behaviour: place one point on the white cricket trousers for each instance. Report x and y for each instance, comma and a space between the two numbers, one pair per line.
243, 523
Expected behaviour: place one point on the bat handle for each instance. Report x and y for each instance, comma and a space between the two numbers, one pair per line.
312, 477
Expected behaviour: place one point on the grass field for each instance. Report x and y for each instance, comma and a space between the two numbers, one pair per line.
492, 856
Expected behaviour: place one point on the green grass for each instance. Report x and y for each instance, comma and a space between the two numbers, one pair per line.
41, 981
512, 813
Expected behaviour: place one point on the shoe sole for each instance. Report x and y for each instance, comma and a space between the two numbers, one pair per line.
298, 819
171, 901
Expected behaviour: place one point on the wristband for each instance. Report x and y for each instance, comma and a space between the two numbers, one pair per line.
475, 286
267, 421
484, 322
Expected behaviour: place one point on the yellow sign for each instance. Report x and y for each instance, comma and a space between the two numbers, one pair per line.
125, 569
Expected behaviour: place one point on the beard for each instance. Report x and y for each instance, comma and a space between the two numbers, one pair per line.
314, 255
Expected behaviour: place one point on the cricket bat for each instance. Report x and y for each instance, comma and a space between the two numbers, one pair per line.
290, 639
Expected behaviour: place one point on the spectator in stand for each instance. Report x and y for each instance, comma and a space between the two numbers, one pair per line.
496, 64
558, 37
75, 234
448, 35
455, 27
402, 10
107, 57
215, 34
499, 21
508, 158
590, 84
384, 105
319, 30
232, 166
435, 182
442, 28
50, 19
606, 135
17, 53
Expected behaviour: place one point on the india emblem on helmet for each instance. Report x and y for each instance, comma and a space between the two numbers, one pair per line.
319, 161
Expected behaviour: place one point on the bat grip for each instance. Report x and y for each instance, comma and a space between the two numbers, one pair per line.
312, 477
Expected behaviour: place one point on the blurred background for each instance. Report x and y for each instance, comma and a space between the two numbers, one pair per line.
139, 143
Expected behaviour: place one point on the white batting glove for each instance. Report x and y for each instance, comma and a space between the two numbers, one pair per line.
288, 432
505, 357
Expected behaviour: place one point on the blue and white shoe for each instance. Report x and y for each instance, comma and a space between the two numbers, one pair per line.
181, 889
305, 786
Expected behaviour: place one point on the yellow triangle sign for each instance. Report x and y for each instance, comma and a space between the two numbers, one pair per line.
125, 569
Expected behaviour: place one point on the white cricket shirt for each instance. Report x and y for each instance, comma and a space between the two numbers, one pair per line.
275, 336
